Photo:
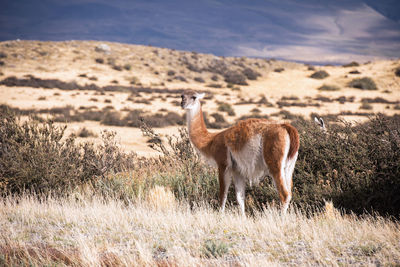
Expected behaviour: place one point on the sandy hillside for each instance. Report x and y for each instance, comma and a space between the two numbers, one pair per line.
101, 85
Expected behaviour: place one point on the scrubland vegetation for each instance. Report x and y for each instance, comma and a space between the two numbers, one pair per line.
68, 203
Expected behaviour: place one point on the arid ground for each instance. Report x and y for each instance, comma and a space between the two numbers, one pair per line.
116, 81
66, 203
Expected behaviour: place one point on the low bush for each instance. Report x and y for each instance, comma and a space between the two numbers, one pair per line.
366, 105
36, 158
279, 70
351, 64
235, 77
397, 71
180, 78
344, 99
379, 100
321, 74
354, 72
225, 107
117, 67
199, 79
85, 132
327, 87
357, 167
364, 83
251, 74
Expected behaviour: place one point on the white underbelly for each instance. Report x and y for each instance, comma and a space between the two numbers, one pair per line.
249, 161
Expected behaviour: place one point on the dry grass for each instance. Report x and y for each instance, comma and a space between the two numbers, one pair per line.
82, 232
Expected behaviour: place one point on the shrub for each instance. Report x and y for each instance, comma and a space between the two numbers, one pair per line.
279, 69
354, 72
112, 118
218, 117
251, 74
225, 107
355, 166
397, 71
171, 73
127, 66
84, 133
215, 248
214, 85
379, 100
327, 87
321, 74
235, 77
3, 55
310, 67
99, 60
180, 78
199, 79
351, 64
366, 105
36, 158
117, 67
364, 83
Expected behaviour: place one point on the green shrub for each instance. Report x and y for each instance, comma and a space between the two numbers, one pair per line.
235, 77
36, 158
225, 107
351, 64
321, 74
366, 105
99, 60
215, 248
397, 71
199, 79
85, 132
251, 74
364, 83
357, 167
327, 87
354, 72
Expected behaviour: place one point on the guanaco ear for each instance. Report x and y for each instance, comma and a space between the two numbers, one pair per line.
321, 121
200, 96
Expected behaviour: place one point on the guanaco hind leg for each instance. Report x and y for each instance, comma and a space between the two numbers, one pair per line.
225, 180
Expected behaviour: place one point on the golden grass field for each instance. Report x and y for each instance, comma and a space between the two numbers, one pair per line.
92, 233
155, 229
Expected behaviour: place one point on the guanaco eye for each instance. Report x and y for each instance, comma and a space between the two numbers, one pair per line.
193, 97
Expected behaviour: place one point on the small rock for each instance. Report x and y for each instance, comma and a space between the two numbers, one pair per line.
103, 48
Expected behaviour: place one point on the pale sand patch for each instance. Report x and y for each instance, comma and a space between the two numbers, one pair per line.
130, 139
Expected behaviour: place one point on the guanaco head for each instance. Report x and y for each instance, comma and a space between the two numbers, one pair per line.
191, 99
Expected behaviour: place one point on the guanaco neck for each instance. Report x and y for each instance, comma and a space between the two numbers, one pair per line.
198, 133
